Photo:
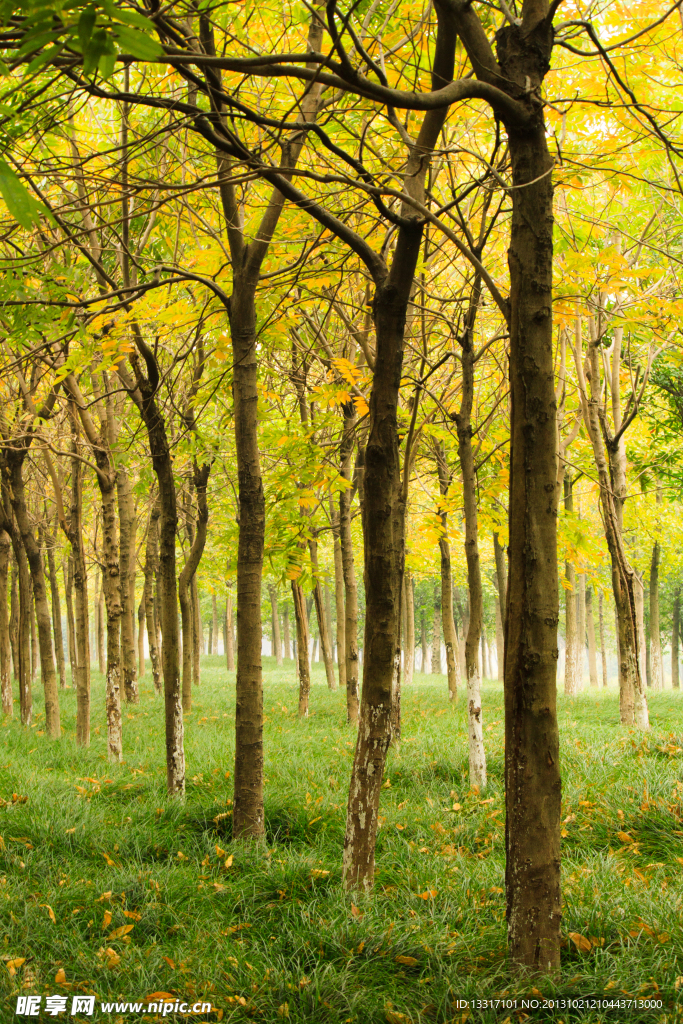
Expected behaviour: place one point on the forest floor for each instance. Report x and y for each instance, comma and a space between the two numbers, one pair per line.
107, 887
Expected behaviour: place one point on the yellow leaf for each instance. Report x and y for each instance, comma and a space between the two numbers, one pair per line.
625, 837
170, 962
69, 831
409, 961
110, 862
60, 976
581, 942
355, 912
428, 895
319, 873
50, 911
107, 919
153, 996
14, 965
123, 930
228, 861
283, 1010
457, 807
396, 1018
104, 896
113, 959
220, 853
133, 915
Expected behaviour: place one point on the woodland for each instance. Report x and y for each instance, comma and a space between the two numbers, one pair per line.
341, 482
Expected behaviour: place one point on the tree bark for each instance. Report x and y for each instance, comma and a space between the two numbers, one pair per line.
5, 649
302, 641
275, 622
141, 638
423, 640
571, 646
590, 632
126, 509
285, 631
325, 644
197, 633
214, 624
500, 641
348, 567
603, 651
56, 612
449, 635
339, 596
100, 613
229, 651
68, 573
14, 467
656, 666
436, 632
151, 565
501, 577
22, 649
409, 667
201, 477
675, 640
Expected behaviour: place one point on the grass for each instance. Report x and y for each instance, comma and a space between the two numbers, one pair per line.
272, 937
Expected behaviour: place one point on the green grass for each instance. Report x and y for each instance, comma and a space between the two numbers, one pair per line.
273, 937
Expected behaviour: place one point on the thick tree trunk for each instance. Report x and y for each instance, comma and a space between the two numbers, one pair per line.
640, 625
409, 667
675, 640
302, 641
484, 654
5, 648
229, 650
285, 631
275, 623
339, 596
325, 643
590, 632
15, 460
656, 666
603, 651
201, 477
532, 769
151, 563
14, 615
348, 567
56, 613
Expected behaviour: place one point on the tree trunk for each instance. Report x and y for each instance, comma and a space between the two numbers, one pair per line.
325, 644
100, 612
141, 638
581, 626
112, 600
501, 577
56, 613
340, 610
449, 635
201, 477
151, 563
590, 632
484, 654
532, 769
214, 624
500, 641
655, 635
15, 460
68, 572
197, 633
640, 626
22, 648
285, 631
275, 624
571, 645
14, 614
126, 571
302, 641
423, 640
5, 650
348, 568
229, 651
409, 667
603, 651
436, 632
675, 638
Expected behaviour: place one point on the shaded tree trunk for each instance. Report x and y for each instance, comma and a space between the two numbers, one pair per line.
302, 641
126, 577
197, 633
449, 635
68, 572
500, 641
655, 634
603, 652
22, 650
325, 644
423, 640
436, 632
590, 632
214, 624
275, 624
196, 551
56, 613
151, 564
5, 648
100, 613
348, 568
141, 638
285, 630
339, 596
229, 651
409, 668
571, 650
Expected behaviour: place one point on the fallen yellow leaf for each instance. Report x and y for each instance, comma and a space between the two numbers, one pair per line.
319, 873
60, 976
228, 861
133, 915
107, 919
14, 965
583, 944
625, 837
123, 930
219, 852
428, 895
50, 911
409, 961
170, 962
110, 862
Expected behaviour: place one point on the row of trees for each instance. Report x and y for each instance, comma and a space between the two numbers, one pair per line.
293, 270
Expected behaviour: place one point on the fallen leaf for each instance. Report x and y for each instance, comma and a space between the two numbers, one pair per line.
228, 861
409, 961
14, 965
457, 807
283, 1010
581, 942
355, 912
625, 837
319, 873
107, 919
69, 831
113, 959
393, 1017
60, 976
110, 862
50, 911
123, 930
170, 962
104, 896
428, 895
160, 995
219, 852
133, 915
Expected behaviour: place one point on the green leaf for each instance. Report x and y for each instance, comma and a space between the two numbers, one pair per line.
86, 24
22, 206
137, 44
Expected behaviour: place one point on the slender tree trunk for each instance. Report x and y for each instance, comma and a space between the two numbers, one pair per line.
339, 596
214, 624
449, 635
56, 613
348, 567
5, 649
197, 633
501, 577
581, 626
590, 632
15, 461
151, 562
275, 613
14, 614
675, 639
603, 651
484, 654
436, 632
325, 644
35, 659
409, 667
141, 638
100, 612
229, 651
640, 626
655, 635
302, 642
68, 572
22, 652
571, 649
126, 571
201, 477
285, 630
500, 642
423, 640
112, 599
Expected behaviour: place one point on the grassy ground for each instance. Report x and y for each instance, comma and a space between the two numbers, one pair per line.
266, 933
